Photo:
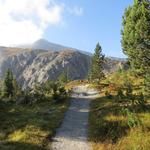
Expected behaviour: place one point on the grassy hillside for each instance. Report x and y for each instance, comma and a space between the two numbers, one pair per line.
120, 122
29, 127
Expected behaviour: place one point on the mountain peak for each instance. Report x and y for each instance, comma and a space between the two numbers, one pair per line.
41, 41
44, 44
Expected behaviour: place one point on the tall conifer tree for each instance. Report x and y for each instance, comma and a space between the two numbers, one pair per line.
96, 72
8, 84
136, 38
136, 35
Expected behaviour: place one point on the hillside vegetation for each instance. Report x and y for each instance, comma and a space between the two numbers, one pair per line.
119, 121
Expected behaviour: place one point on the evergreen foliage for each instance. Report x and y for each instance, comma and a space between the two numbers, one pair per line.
96, 72
63, 77
16, 88
8, 84
10, 87
136, 35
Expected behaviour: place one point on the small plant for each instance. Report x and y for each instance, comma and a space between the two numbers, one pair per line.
132, 118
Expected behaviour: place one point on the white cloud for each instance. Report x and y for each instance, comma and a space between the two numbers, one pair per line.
24, 21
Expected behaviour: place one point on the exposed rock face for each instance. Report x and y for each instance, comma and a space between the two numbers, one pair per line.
37, 65
30, 66
112, 64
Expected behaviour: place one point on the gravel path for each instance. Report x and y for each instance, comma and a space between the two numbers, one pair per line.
72, 135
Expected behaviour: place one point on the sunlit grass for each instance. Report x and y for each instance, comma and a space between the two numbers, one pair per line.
108, 130
29, 127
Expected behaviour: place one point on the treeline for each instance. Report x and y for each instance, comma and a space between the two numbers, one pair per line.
10, 90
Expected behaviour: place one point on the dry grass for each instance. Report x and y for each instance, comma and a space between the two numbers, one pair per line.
74, 83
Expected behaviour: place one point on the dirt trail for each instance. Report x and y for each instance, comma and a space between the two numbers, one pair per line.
72, 135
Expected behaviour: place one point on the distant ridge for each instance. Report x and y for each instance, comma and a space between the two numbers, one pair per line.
117, 58
46, 45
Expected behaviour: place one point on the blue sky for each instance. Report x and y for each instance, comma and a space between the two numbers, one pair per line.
75, 23
100, 22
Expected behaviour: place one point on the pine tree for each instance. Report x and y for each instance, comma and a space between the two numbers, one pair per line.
136, 38
136, 35
63, 77
16, 88
8, 84
96, 72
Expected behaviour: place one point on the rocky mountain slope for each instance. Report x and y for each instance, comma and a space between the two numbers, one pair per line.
30, 66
